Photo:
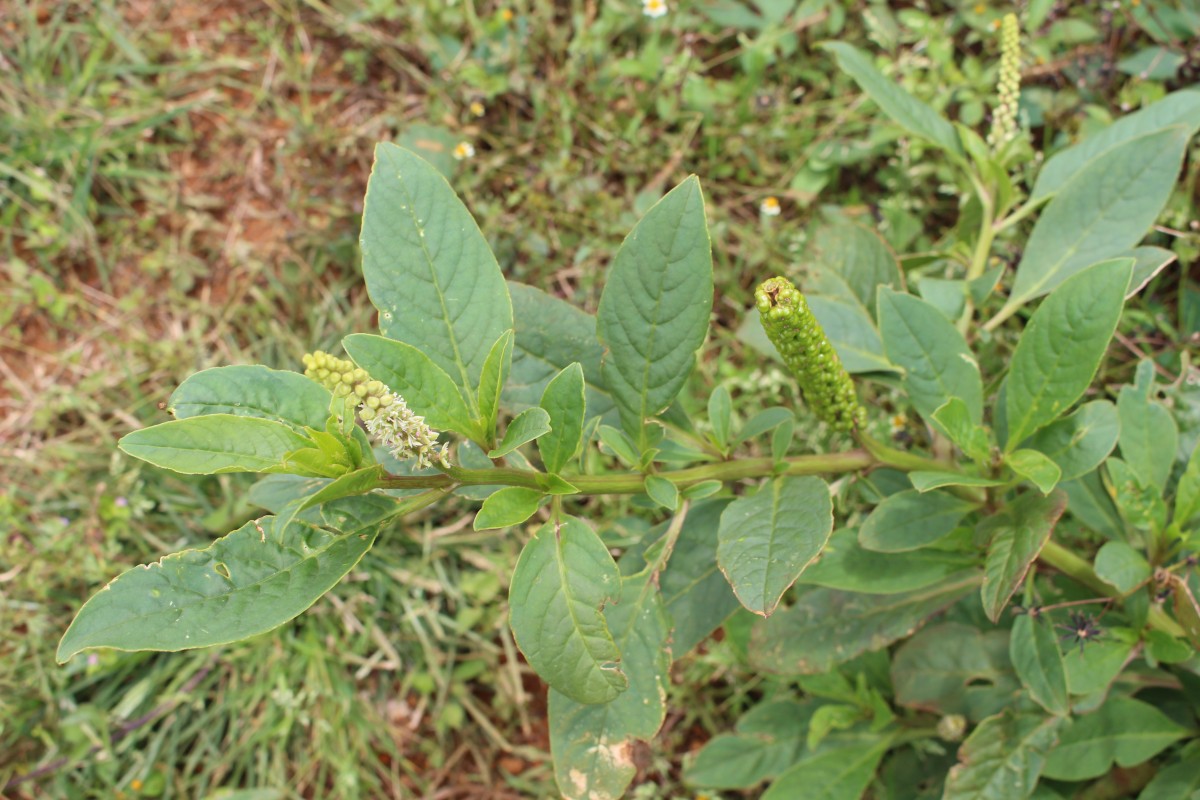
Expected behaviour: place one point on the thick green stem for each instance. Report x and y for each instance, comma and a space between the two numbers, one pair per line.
632, 483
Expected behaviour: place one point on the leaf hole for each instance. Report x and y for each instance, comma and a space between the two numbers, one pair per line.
980, 681
221, 569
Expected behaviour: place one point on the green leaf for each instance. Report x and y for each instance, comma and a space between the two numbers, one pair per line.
1140, 505
662, 492
1106, 208
909, 112
592, 745
1033, 648
1187, 612
852, 334
563, 579
845, 564
834, 773
655, 306
739, 761
1003, 757
763, 421
826, 627
909, 520
527, 426
1123, 730
1020, 533
1062, 347
1182, 107
852, 262
620, 444
253, 391
953, 668
348, 485
1035, 466
1149, 436
1187, 493
955, 419
765, 541
720, 416
408, 372
769, 739
1080, 443
695, 593
551, 335
428, 268
564, 400
928, 480
215, 443
1121, 567
1178, 781
507, 507
1092, 670
491, 383
937, 363
243, 584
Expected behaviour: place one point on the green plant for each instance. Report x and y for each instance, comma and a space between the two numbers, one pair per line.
1014, 490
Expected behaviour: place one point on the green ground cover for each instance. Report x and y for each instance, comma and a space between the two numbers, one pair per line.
180, 187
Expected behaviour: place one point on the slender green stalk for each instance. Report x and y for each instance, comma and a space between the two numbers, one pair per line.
983, 248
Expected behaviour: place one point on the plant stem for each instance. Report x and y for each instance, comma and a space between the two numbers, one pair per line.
983, 249
632, 483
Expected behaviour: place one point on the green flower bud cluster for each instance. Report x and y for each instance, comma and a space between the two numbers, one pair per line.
387, 416
798, 337
1004, 118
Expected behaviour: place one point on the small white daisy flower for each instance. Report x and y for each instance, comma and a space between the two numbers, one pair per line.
770, 207
476, 108
464, 150
654, 8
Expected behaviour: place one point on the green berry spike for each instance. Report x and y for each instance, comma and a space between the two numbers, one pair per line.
806, 350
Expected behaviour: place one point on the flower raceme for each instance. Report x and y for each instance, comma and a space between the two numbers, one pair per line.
799, 338
388, 418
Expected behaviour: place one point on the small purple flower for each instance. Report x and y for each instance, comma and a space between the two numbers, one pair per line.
122, 501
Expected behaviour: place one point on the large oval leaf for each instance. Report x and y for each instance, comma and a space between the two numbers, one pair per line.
428, 268
592, 745
564, 578
937, 363
253, 391
1033, 648
654, 312
765, 541
215, 443
1062, 347
551, 334
1123, 730
825, 627
1018, 535
243, 584
1106, 208
1080, 443
911, 519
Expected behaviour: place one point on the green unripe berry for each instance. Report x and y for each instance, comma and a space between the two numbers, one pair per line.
800, 340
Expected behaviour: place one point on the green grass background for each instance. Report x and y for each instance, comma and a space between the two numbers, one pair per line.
180, 185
